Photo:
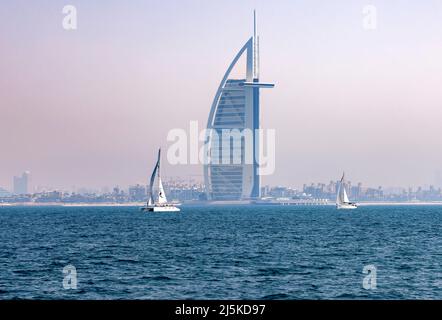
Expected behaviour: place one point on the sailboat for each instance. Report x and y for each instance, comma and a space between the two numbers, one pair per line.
342, 201
158, 202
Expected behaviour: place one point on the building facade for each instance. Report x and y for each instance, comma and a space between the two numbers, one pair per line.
235, 112
20, 184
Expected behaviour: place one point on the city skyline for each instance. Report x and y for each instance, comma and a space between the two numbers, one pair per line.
191, 181
191, 192
77, 104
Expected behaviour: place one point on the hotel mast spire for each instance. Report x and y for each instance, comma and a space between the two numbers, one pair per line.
255, 48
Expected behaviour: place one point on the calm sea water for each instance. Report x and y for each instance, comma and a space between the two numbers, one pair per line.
221, 252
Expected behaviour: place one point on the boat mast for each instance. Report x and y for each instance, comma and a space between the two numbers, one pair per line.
158, 163
341, 190
151, 200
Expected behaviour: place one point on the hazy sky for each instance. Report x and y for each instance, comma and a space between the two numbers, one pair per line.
89, 107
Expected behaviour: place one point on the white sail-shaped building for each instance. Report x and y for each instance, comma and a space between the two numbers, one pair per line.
236, 106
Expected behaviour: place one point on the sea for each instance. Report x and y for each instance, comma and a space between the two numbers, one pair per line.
221, 252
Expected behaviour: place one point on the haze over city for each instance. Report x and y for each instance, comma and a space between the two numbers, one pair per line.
89, 107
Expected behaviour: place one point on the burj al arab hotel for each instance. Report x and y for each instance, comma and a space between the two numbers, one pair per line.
236, 107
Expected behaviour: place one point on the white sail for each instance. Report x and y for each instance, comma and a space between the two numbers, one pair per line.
338, 194
344, 195
161, 194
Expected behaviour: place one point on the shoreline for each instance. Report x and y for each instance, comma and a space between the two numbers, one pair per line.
209, 204
56, 204
423, 203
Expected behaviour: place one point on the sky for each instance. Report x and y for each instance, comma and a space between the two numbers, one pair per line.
89, 107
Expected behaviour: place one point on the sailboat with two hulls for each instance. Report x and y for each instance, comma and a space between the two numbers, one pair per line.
157, 202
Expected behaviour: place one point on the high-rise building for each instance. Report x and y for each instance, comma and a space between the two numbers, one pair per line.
137, 193
235, 108
20, 185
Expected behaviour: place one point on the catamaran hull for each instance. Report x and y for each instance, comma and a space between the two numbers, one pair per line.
161, 209
348, 206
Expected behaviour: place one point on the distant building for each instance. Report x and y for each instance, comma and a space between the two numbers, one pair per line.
265, 191
137, 193
52, 196
20, 185
119, 195
4, 193
185, 191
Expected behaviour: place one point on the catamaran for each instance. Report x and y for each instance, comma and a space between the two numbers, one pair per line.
159, 204
342, 201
